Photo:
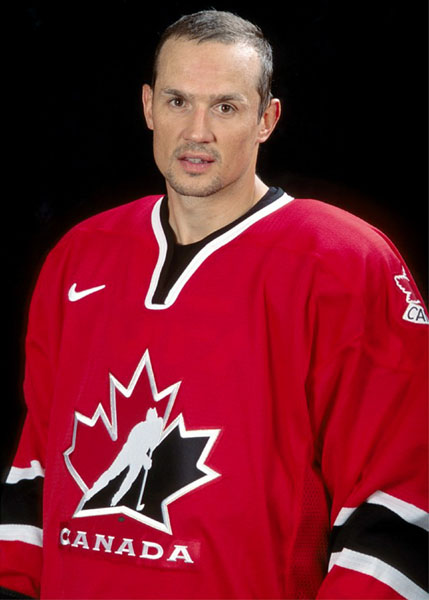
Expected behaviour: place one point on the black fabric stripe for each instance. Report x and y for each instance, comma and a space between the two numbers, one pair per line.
377, 531
21, 503
5, 593
179, 256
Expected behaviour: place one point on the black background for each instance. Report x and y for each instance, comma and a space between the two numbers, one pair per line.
352, 77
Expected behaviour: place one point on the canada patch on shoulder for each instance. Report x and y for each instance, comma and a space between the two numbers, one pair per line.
415, 311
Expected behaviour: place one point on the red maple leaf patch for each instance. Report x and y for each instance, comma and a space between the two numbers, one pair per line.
130, 459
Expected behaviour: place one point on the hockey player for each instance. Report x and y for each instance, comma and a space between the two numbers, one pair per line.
282, 342
143, 438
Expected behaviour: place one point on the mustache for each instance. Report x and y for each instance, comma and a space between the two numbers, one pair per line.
196, 148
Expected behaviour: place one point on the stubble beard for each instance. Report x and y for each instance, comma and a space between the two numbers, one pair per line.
190, 184
194, 188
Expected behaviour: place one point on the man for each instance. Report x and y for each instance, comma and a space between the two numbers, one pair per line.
280, 341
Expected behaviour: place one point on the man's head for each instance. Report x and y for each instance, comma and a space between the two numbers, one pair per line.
207, 106
226, 28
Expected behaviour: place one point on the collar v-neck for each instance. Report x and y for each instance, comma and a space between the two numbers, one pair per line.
178, 262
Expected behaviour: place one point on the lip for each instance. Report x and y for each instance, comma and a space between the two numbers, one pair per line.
188, 164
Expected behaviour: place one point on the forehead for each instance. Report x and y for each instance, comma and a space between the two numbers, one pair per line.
214, 67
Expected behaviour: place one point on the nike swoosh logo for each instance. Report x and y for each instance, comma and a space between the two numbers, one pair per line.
74, 295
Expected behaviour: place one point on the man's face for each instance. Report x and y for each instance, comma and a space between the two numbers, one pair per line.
203, 111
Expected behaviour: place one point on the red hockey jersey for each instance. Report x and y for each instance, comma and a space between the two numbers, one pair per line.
254, 427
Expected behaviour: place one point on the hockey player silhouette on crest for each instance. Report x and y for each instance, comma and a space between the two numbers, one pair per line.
143, 438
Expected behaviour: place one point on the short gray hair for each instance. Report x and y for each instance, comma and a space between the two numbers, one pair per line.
227, 28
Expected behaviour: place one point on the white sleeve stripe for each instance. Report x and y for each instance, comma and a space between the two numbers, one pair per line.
409, 512
374, 567
343, 516
22, 533
17, 474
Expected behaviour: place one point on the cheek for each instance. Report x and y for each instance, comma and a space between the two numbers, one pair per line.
160, 142
159, 153
241, 147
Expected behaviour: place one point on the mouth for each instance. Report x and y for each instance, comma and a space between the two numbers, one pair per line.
196, 163
195, 160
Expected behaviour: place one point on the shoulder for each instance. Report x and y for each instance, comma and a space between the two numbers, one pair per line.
124, 221
336, 252
125, 218
333, 236
322, 226
102, 235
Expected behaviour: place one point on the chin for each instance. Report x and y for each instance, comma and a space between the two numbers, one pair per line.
196, 189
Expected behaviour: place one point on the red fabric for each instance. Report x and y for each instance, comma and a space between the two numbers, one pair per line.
288, 341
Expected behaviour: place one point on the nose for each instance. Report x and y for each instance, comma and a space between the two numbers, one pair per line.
198, 127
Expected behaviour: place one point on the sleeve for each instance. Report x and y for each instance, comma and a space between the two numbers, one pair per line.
21, 524
368, 401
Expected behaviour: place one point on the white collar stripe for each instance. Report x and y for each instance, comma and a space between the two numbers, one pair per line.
203, 254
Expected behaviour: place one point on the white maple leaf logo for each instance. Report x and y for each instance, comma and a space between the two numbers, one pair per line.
404, 284
415, 310
144, 463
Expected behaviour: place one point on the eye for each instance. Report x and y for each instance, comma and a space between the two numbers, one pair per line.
177, 102
225, 109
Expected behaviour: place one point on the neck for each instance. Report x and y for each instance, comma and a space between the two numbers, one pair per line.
194, 218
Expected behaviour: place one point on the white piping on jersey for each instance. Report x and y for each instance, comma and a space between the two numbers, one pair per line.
409, 512
374, 567
17, 474
343, 516
28, 534
204, 253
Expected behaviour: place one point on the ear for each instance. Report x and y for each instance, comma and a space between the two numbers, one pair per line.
269, 120
147, 97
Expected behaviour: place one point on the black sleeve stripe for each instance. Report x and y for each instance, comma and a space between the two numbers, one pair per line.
376, 531
374, 567
21, 502
5, 593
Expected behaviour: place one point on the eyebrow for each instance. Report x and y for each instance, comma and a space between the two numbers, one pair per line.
232, 97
